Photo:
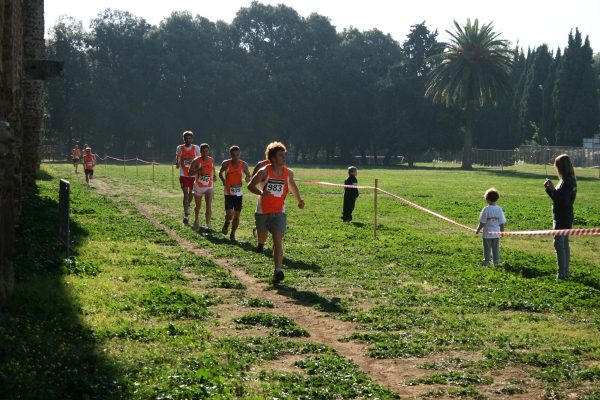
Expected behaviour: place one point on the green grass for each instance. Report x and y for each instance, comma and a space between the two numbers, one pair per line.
135, 316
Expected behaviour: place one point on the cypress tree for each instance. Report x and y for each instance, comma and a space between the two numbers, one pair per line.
530, 110
516, 136
575, 96
549, 125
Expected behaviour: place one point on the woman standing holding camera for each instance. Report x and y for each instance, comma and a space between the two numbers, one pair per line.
563, 197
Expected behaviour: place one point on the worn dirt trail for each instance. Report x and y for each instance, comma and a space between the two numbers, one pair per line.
326, 330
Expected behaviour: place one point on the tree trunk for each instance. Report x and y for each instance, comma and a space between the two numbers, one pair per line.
315, 156
33, 93
470, 118
363, 156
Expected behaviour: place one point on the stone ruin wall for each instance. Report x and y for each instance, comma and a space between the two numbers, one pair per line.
21, 119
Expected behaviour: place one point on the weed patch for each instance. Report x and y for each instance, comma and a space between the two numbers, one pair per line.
174, 303
255, 302
284, 326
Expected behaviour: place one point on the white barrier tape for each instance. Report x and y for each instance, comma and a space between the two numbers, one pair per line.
558, 232
426, 210
333, 184
129, 159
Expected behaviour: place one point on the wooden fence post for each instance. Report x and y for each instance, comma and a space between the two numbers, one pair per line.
136, 166
152, 171
375, 210
173, 175
123, 162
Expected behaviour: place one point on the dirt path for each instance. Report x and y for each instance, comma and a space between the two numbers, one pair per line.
326, 330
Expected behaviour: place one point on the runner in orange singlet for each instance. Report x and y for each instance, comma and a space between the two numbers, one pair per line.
186, 153
89, 162
274, 181
233, 169
257, 167
203, 170
76, 154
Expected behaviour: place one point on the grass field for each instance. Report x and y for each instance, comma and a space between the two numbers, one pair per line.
149, 309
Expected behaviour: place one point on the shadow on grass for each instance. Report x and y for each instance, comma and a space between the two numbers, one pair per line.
246, 246
46, 352
43, 176
312, 299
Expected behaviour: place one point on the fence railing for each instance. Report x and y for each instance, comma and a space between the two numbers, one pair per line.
580, 157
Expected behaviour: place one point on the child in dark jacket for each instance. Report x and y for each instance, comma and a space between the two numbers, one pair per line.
350, 194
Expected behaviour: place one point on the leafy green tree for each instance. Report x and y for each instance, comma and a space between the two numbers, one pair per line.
68, 102
408, 122
118, 47
475, 68
367, 57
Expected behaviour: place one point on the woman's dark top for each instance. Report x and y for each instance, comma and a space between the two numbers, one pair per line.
562, 202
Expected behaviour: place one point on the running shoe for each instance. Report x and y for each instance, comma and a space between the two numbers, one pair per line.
260, 248
186, 220
278, 276
225, 228
232, 238
196, 226
207, 229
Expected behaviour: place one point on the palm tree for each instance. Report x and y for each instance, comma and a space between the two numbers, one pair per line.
475, 68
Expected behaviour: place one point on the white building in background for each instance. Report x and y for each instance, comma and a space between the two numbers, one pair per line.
592, 143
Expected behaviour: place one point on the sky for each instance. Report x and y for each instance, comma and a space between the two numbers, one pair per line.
531, 23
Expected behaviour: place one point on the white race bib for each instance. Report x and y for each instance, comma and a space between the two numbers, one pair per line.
236, 190
275, 186
187, 162
204, 179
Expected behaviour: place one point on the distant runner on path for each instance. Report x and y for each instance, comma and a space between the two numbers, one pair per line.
203, 171
274, 181
233, 170
76, 154
186, 153
89, 162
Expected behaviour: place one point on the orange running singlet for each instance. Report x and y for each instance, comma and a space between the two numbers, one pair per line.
186, 158
205, 178
88, 160
278, 186
233, 179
